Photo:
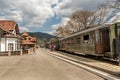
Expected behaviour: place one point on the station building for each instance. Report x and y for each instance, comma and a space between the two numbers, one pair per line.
9, 36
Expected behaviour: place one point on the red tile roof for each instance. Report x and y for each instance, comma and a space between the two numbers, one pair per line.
7, 24
33, 39
25, 34
24, 42
28, 39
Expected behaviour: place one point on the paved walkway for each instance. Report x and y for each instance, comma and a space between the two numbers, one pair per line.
40, 66
107, 67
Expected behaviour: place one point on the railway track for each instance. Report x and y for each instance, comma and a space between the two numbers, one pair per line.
103, 64
88, 57
106, 74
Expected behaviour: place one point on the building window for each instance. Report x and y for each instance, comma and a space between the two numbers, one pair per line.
10, 46
29, 38
78, 40
18, 46
86, 38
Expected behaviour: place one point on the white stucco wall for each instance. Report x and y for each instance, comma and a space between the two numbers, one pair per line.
2, 44
8, 40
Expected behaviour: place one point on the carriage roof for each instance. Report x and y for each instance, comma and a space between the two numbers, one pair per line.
87, 30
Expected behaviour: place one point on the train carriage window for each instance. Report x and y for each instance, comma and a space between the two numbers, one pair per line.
78, 40
86, 38
118, 31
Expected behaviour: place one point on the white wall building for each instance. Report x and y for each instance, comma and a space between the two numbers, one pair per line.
9, 36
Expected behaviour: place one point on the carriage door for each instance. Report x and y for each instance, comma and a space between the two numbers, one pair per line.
105, 39
117, 40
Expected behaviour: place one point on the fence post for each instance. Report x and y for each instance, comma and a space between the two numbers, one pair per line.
9, 53
29, 51
21, 52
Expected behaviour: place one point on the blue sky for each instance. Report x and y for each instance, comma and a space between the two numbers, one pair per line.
50, 22
43, 15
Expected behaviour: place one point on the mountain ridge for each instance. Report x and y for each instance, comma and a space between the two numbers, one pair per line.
41, 35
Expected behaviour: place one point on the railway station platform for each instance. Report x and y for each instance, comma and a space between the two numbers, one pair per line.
103, 66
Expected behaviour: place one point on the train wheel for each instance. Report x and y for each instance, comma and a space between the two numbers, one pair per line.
118, 61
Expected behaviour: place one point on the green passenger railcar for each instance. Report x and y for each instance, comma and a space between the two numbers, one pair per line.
101, 40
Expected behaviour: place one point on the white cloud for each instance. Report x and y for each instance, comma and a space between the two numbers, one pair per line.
55, 26
1, 18
23, 29
51, 32
32, 12
63, 22
15, 15
66, 7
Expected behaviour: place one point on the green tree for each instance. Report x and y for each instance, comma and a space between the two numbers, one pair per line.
53, 40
